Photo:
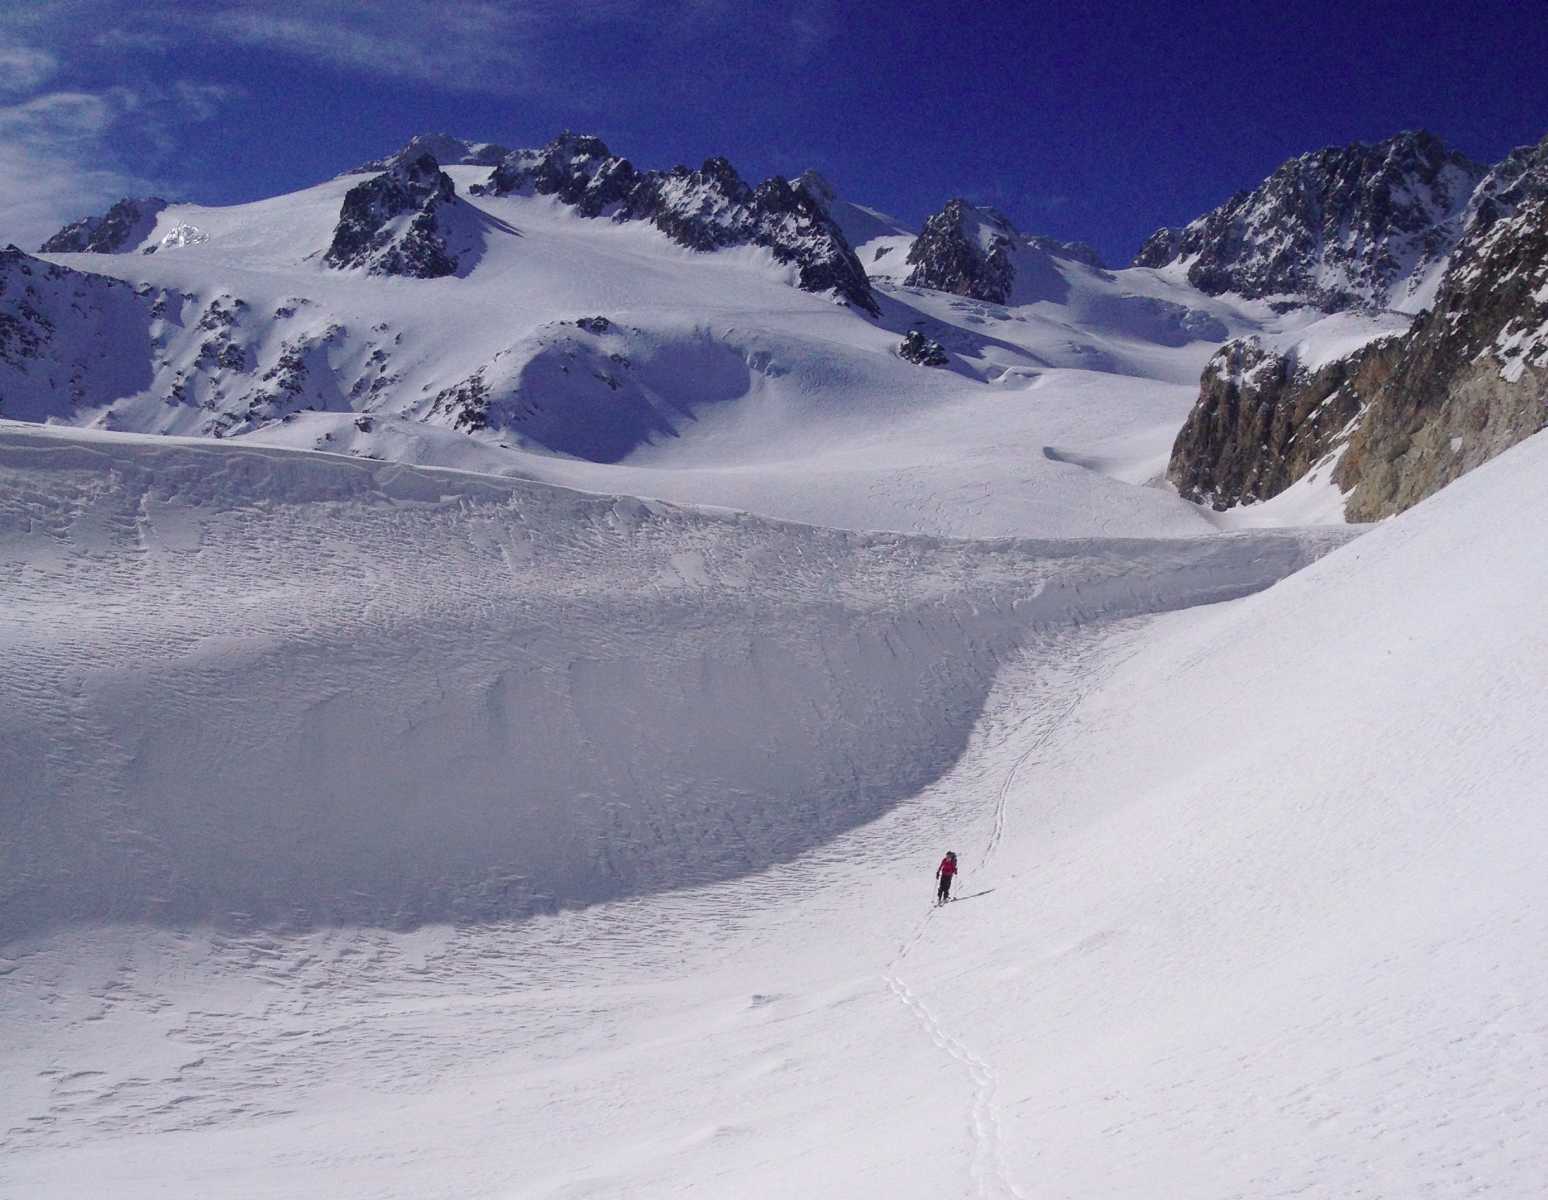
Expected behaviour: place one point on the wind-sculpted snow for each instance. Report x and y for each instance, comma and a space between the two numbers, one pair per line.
255, 686
595, 389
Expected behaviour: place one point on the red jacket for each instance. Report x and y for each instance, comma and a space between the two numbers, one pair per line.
948, 867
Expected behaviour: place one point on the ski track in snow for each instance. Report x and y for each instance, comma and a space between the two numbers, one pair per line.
1173, 809
1077, 670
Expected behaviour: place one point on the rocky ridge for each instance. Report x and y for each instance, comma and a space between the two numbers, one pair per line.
1405, 415
394, 224
117, 231
710, 208
1344, 227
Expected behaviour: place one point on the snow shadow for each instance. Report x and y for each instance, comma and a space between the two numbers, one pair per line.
257, 687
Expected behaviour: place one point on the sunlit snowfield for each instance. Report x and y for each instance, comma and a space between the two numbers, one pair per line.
375, 830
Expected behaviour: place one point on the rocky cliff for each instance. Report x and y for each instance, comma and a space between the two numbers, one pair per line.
395, 224
1471, 378
1262, 421
967, 251
1343, 227
1408, 414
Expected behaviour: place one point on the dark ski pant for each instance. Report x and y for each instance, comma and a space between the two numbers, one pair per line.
943, 894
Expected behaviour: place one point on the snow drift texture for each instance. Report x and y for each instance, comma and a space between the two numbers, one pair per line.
289, 688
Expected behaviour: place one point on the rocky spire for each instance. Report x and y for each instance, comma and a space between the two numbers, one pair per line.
967, 251
371, 235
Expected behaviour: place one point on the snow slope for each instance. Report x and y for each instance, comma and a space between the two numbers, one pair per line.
294, 689
1252, 903
712, 380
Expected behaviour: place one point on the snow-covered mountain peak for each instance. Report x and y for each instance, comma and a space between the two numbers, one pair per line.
706, 208
401, 222
443, 147
1357, 226
816, 185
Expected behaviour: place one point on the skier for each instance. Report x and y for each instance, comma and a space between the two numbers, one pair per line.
945, 873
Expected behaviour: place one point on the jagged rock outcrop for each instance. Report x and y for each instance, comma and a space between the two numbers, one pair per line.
117, 231
710, 208
1262, 421
446, 150
1472, 378
966, 251
393, 224
1408, 414
1343, 227
180, 363
923, 351
977, 253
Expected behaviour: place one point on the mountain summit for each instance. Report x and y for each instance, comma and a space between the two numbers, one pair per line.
711, 208
1357, 226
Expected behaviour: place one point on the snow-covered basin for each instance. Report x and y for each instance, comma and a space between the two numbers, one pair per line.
264, 686
1252, 905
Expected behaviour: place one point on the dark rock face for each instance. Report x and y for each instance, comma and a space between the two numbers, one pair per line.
1261, 422
977, 253
923, 351
445, 149
1160, 248
710, 208
370, 235
1410, 413
1472, 378
1348, 226
119, 230
966, 251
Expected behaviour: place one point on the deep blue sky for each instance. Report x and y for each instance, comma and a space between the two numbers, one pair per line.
1083, 121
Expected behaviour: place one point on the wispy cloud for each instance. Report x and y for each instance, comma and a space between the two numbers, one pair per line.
23, 69
488, 46
458, 47
41, 188
60, 153
57, 117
